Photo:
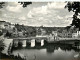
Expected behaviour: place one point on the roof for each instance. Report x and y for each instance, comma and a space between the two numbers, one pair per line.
2, 21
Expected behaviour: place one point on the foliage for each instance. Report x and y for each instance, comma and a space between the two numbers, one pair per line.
24, 4
8, 34
27, 30
75, 7
1, 33
1, 45
2, 4
20, 44
11, 57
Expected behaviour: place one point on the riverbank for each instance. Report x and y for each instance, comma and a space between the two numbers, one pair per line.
10, 57
7, 43
4, 52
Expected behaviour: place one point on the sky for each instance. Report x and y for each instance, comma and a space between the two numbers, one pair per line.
48, 14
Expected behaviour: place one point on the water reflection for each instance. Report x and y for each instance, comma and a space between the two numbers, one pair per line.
48, 52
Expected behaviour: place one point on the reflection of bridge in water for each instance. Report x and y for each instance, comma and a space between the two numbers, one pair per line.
45, 40
50, 47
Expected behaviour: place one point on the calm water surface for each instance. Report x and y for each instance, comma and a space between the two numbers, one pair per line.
48, 52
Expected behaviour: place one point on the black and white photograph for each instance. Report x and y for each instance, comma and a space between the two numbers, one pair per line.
40, 30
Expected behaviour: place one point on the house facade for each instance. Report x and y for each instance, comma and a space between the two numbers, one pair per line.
76, 35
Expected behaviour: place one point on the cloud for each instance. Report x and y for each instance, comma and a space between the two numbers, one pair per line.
37, 14
56, 5
22, 18
39, 10
46, 9
59, 17
30, 14
14, 7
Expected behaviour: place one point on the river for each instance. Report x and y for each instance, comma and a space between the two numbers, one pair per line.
48, 52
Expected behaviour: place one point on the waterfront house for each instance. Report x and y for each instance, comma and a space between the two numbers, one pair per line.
15, 32
6, 26
2, 24
74, 35
55, 33
43, 32
78, 33
20, 34
40, 31
0, 30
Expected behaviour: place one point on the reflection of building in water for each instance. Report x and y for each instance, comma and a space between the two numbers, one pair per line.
51, 48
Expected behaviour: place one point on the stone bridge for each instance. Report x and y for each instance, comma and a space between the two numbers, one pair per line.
46, 40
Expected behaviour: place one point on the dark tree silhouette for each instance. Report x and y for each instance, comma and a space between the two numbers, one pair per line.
24, 4
2, 4
2, 45
75, 7
1, 33
8, 34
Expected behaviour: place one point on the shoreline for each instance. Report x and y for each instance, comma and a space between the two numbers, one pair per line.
10, 57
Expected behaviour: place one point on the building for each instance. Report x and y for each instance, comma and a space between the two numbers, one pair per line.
43, 32
15, 32
40, 31
0, 30
4, 25
76, 35
20, 34
12, 26
55, 33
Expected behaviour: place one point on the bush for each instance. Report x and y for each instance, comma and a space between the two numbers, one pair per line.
8, 34
1, 45
1, 33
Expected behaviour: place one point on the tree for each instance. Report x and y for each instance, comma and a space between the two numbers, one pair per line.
8, 34
75, 7
1, 33
2, 4
24, 4
2, 45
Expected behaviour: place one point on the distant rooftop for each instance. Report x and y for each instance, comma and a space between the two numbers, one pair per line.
2, 21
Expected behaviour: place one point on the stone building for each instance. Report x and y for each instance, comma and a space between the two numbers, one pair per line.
6, 26
76, 35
